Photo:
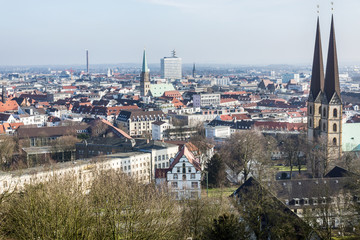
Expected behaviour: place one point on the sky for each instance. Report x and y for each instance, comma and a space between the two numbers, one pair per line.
261, 32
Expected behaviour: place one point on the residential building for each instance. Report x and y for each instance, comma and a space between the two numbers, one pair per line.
183, 177
206, 99
139, 122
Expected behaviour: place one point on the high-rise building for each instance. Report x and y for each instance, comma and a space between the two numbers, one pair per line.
324, 102
171, 67
87, 61
194, 71
145, 77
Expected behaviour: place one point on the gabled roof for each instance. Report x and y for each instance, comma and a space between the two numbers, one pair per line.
116, 130
189, 156
338, 172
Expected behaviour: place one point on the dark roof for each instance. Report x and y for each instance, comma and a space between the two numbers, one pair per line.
317, 77
23, 132
4, 116
139, 114
154, 145
338, 172
272, 203
332, 84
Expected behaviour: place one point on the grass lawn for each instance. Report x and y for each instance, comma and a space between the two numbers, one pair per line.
345, 238
218, 192
287, 168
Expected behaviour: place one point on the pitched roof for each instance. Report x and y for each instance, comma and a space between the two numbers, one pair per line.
10, 105
332, 84
189, 155
116, 130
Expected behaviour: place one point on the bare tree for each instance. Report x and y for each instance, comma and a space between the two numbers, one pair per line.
244, 151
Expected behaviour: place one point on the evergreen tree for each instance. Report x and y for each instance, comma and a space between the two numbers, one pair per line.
216, 171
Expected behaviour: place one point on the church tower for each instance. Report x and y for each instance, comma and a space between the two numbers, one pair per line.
144, 78
331, 105
316, 89
324, 102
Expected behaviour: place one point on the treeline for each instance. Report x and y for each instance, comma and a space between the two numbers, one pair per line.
112, 207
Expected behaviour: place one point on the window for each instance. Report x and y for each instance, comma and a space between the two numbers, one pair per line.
184, 169
194, 184
174, 184
310, 110
306, 201
155, 158
320, 110
193, 176
310, 123
324, 127
335, 112
334, 127
178, 170
324, 112
189, 169
297, 201
175, 176
334, 141
319, 124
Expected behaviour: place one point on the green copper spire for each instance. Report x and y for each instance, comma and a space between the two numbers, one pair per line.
144, 66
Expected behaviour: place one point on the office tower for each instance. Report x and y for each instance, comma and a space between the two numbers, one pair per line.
324, 102
194, 71
145, 77
171, 67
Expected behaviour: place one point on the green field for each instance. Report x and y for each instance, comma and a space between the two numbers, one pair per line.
287, 168
219, 192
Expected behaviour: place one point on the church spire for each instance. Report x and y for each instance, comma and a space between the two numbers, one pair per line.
332, 84
317, 78
144, 65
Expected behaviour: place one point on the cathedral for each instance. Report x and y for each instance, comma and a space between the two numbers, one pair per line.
324, 106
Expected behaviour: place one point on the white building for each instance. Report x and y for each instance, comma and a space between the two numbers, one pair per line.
183, 178
206, 99
134, 164
217, 131
159, 128
171, 67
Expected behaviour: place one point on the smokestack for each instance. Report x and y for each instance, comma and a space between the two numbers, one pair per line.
87, 61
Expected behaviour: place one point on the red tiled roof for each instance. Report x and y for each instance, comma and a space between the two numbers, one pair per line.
226, 117
234, 93
225, 100
10, 105
69, 87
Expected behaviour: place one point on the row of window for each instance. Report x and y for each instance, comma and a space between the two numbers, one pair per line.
335, 111
324, 125
176, 176
193, 185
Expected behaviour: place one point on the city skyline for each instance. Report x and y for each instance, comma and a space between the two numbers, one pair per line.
209, 32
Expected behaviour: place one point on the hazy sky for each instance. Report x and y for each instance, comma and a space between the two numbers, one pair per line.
38, 32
